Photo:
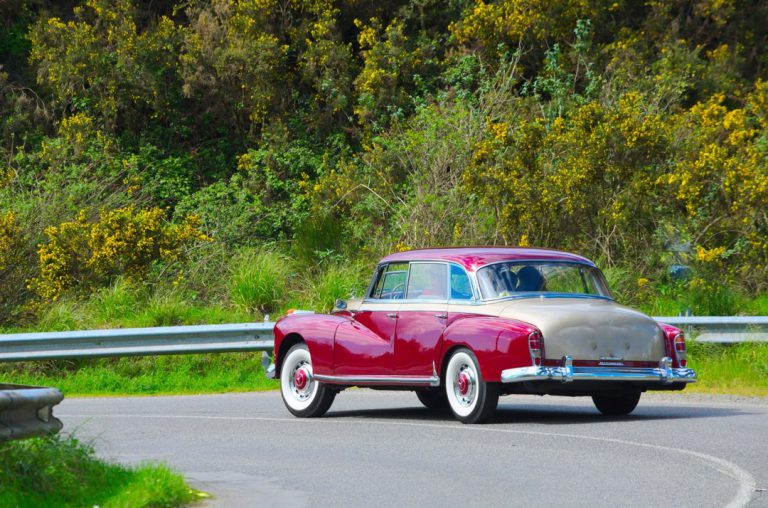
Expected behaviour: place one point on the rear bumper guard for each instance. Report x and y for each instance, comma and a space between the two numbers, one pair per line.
566, 372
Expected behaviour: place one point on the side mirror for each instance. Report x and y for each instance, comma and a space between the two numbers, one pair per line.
340, 304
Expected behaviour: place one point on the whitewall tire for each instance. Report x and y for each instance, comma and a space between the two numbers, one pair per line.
470, 398
302, 395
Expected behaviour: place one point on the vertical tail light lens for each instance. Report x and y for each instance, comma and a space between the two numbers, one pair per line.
535, 346
680, 352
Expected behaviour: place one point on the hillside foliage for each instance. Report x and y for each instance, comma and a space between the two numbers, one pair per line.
148, 142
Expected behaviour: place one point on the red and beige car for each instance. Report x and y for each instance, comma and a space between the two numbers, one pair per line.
462, 326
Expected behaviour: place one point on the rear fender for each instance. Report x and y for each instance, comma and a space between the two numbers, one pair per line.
497, 343
670, 332
317, 331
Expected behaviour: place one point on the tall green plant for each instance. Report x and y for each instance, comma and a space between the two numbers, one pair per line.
258, 279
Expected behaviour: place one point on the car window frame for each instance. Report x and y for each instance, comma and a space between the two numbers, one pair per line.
448, 281
544, 294
381, 269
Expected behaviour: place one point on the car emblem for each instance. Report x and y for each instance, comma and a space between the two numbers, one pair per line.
611, 361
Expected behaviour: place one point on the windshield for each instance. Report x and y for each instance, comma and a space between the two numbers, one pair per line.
515, 278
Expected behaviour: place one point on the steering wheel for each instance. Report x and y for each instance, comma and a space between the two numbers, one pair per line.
397, 289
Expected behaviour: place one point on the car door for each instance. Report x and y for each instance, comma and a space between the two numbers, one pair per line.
364, 344
421, 319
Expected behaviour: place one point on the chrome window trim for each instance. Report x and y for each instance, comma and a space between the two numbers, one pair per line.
543, 294
374, 279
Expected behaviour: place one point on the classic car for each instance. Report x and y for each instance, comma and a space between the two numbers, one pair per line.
462, 326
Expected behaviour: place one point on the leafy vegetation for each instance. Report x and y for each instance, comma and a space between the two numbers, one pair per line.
183, 162
63, 471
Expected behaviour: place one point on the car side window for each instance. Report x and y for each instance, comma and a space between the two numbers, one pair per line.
428, 281
460, 286
390, 284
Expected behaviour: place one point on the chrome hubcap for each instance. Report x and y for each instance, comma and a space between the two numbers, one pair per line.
301, 381
463, 383
465, 386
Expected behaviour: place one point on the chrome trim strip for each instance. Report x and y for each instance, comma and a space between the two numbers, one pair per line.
433, 380
545, 294
566, 373
583, 261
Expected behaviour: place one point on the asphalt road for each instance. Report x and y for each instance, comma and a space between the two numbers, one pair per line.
378, 448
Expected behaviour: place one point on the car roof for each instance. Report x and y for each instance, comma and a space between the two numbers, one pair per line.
473, 258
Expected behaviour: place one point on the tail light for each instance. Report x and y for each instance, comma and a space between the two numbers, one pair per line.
680, 353
535, 343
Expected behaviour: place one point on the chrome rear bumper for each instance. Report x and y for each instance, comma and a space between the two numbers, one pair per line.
566, 372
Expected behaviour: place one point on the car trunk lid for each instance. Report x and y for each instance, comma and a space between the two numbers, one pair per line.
590, 329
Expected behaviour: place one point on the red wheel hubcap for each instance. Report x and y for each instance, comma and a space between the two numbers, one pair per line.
300, 379
463, 383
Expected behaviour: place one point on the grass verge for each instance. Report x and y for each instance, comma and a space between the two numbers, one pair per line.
169, 375
57, 471
738, 369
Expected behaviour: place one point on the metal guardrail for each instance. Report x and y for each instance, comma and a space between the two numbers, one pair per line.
721, 329
258, 337
27, 411
164, 340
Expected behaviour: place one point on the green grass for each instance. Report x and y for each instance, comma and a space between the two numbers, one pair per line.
335, 281
57, 471
739, 369
124, 306
150, 375
258, 280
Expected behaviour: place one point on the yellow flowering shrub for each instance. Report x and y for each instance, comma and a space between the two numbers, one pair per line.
231, 60
326, 64
124, 241
487, 24
100, 59
14, 266
389, 64
9, 239
721, 178
579, 182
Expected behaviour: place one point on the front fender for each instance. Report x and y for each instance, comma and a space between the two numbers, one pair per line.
498, 343
316, 330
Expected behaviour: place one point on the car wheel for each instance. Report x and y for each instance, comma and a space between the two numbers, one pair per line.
302, 395
433, 399
616, 405
471, 399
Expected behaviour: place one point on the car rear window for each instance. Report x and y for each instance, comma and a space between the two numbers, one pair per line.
507, 279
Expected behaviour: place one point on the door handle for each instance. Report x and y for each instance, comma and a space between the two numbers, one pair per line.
392, 315
441, 316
